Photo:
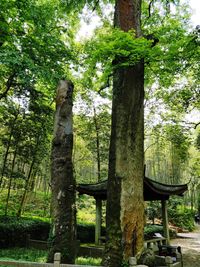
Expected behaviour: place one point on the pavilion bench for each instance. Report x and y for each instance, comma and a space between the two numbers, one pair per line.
165, 255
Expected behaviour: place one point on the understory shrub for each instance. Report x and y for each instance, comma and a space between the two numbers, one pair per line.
180, 215
86, 232
153, 210
14, 231
182, 218
151, 229
88, 261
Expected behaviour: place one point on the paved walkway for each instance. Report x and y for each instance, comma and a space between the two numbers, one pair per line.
190, 244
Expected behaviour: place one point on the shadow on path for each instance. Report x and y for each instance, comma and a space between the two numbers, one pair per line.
190, 244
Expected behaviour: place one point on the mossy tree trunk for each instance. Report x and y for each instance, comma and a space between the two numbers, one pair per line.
62, 179
125, 204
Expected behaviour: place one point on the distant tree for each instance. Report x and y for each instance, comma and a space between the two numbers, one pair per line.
93, 127
197, 143
25, 143
9, 121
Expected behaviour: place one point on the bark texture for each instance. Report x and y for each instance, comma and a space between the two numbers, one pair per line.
62, 180
125, 204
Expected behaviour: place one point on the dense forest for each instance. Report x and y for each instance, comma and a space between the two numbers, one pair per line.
45, 41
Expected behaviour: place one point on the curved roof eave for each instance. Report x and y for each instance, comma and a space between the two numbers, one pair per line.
153, 190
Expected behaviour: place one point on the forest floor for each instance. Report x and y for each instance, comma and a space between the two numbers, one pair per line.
190, 245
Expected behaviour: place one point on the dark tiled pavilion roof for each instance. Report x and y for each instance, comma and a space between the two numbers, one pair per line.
153, 190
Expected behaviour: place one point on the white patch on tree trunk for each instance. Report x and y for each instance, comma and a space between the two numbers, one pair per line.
59, 195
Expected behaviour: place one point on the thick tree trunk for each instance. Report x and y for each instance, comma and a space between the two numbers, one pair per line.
125, 204
62, 180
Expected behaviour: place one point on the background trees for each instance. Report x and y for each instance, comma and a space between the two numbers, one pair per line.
93, 131
33, 51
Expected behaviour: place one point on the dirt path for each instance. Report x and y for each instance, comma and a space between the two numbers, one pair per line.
190, 244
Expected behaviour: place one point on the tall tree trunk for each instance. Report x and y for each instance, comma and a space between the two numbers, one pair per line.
10, 182
158, 161
125, 204
8, 146
21, 206
62, 179
192, 190
5, 157
29, 175
97, 146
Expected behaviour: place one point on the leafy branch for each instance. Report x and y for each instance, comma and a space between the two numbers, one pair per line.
9, 84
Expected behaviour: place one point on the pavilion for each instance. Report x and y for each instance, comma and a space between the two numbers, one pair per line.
153, 190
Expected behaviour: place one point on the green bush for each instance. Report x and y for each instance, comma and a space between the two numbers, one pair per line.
179, 215
151, 229
86, 233
14, 231
88, 261
153, 210
182, 218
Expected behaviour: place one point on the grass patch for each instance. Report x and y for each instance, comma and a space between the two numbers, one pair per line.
36, 255
23, 254
88, 261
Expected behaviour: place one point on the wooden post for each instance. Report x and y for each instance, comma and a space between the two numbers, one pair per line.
57, 258
165, 221
98, 220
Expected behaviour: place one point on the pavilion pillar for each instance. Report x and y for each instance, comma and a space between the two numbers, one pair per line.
165, 220
98, 220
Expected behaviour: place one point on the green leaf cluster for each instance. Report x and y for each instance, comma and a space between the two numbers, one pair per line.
183, 218
36, 48
112, 48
